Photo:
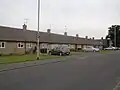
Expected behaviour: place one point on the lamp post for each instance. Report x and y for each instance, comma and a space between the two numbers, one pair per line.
38, 36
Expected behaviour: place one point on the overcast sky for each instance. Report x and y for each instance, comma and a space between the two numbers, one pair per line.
85, 17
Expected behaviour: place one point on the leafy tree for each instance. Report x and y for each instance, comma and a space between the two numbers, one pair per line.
111, 34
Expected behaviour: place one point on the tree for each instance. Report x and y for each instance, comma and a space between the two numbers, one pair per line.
111, 34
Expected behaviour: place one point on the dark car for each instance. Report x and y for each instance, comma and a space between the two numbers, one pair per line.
60, 50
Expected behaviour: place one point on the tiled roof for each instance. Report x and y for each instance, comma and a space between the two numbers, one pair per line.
15, 34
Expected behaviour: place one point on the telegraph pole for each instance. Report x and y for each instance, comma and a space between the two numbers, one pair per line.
24, 30
115, 36
38, 33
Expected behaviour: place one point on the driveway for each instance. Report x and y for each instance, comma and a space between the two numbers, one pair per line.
94, 71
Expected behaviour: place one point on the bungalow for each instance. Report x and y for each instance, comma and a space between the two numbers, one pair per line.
20, 41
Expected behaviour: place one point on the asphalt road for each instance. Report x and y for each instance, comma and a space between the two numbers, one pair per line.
92, 72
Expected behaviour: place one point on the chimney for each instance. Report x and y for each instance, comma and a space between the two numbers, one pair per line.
86, 37
24, 27
77, 35
93, 38
65, 33
101, 38
49, 30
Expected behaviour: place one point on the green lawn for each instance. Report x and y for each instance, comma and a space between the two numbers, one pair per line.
106, 51
24, 58
29, 57
77, 53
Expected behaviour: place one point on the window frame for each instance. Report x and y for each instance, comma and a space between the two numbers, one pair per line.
1, 44
21, 43
29, 45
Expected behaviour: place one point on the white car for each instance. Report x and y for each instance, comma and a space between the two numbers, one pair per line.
111, 48
90, 49
118, 48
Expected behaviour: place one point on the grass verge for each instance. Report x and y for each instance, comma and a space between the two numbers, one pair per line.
77, 53
29, 57
24, 58
106, 51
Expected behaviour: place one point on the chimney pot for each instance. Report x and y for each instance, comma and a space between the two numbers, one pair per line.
77, 35
101, 38
24, 27
48, 30
65, 33
86, 37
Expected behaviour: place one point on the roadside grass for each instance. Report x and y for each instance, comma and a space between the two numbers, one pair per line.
77, 53
30, 57
24, 58
106, 51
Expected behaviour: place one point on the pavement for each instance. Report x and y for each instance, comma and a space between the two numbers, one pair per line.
94, 71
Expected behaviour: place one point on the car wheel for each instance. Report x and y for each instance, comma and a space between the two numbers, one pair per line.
50, 53
94, 51
61, 54
84, 51
69, 54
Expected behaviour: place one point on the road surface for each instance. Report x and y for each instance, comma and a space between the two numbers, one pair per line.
92, 72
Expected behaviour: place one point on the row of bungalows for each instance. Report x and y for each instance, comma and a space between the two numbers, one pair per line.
20, 41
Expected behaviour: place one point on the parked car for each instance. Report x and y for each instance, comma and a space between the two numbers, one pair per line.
119, 48
60, 50
90, 49
111, 48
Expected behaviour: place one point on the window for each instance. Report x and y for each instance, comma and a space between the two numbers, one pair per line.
2, 44
20, 45
29, 45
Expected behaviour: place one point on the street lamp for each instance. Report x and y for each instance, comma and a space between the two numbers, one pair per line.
38, 36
